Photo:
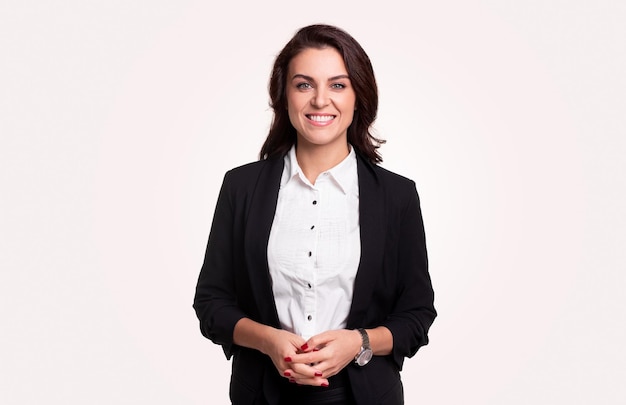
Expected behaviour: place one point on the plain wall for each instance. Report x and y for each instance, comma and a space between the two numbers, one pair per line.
118, 120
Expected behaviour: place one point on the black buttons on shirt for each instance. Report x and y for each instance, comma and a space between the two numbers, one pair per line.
313, 226
310, 317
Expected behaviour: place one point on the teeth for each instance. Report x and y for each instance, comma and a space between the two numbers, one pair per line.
320, 118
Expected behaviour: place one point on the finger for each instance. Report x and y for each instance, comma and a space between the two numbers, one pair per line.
327, 369
317, 341
299, 371
290, 374
308, 358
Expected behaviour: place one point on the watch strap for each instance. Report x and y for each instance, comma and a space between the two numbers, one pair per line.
365, 338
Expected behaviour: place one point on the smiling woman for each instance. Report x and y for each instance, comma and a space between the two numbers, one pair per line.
321, 103
315, 277
354, 63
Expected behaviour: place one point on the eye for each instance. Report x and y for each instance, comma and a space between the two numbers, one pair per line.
303, 86
338, 86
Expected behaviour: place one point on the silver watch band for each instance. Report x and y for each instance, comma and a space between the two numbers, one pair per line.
365, 337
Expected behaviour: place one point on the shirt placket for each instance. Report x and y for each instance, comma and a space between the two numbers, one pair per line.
310, 288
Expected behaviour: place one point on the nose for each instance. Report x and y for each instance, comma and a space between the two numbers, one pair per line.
320, 98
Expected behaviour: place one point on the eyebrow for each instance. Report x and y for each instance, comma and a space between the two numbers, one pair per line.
309, 78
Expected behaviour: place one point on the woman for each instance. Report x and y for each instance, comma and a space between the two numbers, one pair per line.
315, 278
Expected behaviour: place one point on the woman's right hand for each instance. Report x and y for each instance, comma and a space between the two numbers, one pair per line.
281, 346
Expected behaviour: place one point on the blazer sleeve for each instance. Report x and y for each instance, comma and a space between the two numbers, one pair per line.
413, 310
215, 302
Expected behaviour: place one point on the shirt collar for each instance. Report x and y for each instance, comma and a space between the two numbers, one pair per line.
344, 174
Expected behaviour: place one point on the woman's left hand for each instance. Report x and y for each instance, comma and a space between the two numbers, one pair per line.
329, 352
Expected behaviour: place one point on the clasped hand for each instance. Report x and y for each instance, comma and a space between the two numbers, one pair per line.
313, 361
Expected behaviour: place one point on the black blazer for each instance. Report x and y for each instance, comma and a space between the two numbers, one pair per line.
392, 286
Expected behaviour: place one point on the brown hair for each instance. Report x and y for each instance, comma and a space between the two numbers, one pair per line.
282, 134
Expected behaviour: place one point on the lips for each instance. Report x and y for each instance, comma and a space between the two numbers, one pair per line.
321, 118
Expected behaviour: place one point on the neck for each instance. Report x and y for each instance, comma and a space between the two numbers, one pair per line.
318, 159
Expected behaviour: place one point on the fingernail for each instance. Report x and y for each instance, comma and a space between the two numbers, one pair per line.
291, 380
304, 346
324, 384
315, 349
288, 359
318, 373
287, 374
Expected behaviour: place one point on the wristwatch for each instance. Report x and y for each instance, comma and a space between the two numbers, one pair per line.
365, 354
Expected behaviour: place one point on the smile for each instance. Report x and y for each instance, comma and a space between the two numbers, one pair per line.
320, 118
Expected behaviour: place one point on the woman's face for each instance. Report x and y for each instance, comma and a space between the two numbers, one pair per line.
320, 98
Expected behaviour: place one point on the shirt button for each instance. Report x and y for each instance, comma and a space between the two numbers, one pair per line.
309, 317
313, 226
314, 202
310, 254
309, 285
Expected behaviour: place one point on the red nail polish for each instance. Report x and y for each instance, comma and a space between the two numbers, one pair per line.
324, 385
288, 359
304, 346
287, 374
291, 380
318, 373
315, 349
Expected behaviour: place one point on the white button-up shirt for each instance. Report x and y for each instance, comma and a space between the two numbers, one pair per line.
315, 247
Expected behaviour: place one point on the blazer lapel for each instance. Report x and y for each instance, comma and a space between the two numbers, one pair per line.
372, 225
260, 217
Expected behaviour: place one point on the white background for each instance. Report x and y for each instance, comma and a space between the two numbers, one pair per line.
119, 118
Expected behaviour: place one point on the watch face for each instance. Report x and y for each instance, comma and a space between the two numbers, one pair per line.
364, 357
